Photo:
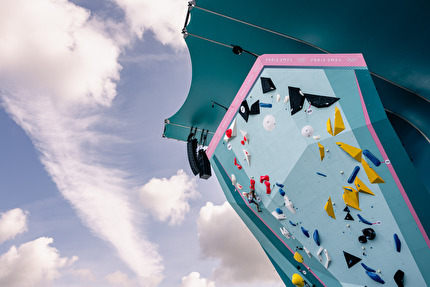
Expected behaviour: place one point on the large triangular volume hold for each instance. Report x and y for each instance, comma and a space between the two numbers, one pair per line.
255, 108
297, 99
244, 110
320, 101
351, 260
267, 85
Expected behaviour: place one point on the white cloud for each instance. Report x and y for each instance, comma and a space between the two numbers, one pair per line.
168, 198
164, 17
84, 274
58, 71
12, 223
34, 263
224, 236
53, 46
120, 279
194, 280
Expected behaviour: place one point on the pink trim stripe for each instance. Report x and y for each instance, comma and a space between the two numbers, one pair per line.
291, 250
304, 60
390, 167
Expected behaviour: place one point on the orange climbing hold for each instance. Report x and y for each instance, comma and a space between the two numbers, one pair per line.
351, 150
329, 208
350, 197
361, 187
321, 149
329, 129
338, 122
371, 174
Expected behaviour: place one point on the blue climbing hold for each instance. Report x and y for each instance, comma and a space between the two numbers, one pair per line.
364, 220
322, 174
293, 224
353, 174
279, 211
397, 242
282, 192
371, 157
375, 277
316, 237
264, 105
305, 232
367, 268
280, 185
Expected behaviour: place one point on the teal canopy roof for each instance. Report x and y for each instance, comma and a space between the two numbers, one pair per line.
392, 36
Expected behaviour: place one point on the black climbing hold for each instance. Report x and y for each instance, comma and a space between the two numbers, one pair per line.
255, 108
397, 242
369, 233
320, 101
362, 239
267, 85
244, 111
297, 99
348, 216
351, 260
346, 209
398, 278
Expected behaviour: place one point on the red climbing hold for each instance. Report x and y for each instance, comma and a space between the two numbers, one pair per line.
268, 190
236, 164
228, 133
242, 142
263, 178
252, 187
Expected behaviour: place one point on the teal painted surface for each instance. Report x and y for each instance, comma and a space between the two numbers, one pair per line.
390, 37
293, 160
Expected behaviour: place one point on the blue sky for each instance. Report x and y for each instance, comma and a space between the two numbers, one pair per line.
92, 195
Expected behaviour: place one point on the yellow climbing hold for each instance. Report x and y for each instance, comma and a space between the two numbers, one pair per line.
297, 280
329, 208
371, 174
329, 129
355, 152
338, 122
321, 148
298, 257
350, 197
361, 187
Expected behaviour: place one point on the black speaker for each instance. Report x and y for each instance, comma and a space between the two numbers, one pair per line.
192, 155
204, 165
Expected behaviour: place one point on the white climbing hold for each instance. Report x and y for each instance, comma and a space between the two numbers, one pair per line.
285, 232
319, 254
278, 98
239, 186
327, 256
233, 179
247, 157
307, 131
269, 123
341, 172
316, 137
229, 146
286, 99
307, 252
348, 225
278, 216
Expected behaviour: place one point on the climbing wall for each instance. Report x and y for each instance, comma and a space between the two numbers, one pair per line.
300, 129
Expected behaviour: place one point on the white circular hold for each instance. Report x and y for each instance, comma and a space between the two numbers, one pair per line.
341, 172
309, 111
307, 131
229, 146
387, 161
269, 123
242, 109
304, 272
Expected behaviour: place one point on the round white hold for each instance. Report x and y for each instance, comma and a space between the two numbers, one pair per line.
307, 131
269, 123
242, 109
229, 146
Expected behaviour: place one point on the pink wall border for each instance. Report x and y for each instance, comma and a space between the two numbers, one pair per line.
303, 60
390, 167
